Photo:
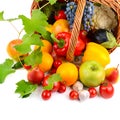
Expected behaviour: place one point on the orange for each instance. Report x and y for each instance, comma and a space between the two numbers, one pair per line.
47, 46
12, 52
69, 73
60, 25
47, 61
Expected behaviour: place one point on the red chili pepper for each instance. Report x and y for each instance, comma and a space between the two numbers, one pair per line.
60, 15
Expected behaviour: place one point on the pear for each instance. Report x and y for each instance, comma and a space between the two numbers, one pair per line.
112, 74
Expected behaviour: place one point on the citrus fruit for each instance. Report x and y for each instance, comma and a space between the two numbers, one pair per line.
47, 46
47, 61
60, 25
12, 52
69, 73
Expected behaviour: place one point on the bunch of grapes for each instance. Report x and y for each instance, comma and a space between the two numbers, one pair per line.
87, 15
70, 12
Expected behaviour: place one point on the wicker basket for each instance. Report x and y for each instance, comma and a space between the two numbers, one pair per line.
114, 4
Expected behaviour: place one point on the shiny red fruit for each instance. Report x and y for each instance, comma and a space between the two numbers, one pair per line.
60, 15
112, 75
27, 67
93, 92
35, 76
73, 95
106, 90
46, 94
62, 88
57, 63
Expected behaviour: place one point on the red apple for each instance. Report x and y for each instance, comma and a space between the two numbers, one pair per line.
35, 76
112, 74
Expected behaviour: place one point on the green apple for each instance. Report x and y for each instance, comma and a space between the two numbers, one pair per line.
91, 73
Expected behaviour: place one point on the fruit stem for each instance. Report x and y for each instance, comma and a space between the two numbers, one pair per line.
117, 66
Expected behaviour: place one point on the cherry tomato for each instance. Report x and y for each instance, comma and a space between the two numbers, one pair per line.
83, 36
106, 90
57, 63
73, 95
62, 88
53, 70
55, 86
46, 94
60, 15
27, 67
35, 76
92, 91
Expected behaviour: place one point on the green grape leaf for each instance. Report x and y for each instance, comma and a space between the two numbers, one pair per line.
52, 1
28, 40
34, 58
51, 80
6, 69
37, 23
1, 15
25, 88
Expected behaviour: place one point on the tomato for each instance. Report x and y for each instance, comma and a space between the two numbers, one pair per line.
73, 95
27, 67
62, 88
93, 92
57, 63
35, 76
83, 36
53, 70
55, 86
106, 90
60, 15
46, 94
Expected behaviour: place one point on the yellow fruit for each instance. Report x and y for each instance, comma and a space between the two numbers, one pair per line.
69, 73
47, 46
12, 52
47, 61
60, 25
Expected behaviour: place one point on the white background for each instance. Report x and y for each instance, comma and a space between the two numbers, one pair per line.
59, 106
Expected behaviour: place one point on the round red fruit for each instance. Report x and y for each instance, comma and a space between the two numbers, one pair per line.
46, 94
27, 67
60, 15
62, 88
73, 95
106, 90
57, 63
93, 92
35, 76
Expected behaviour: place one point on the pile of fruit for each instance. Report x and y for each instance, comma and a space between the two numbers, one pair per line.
42, 52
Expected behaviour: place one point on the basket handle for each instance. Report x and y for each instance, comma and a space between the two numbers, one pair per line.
75, 30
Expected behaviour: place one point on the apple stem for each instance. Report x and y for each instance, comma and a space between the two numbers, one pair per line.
117, 66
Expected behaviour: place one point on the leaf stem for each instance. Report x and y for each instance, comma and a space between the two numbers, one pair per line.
54, 38
44, 5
